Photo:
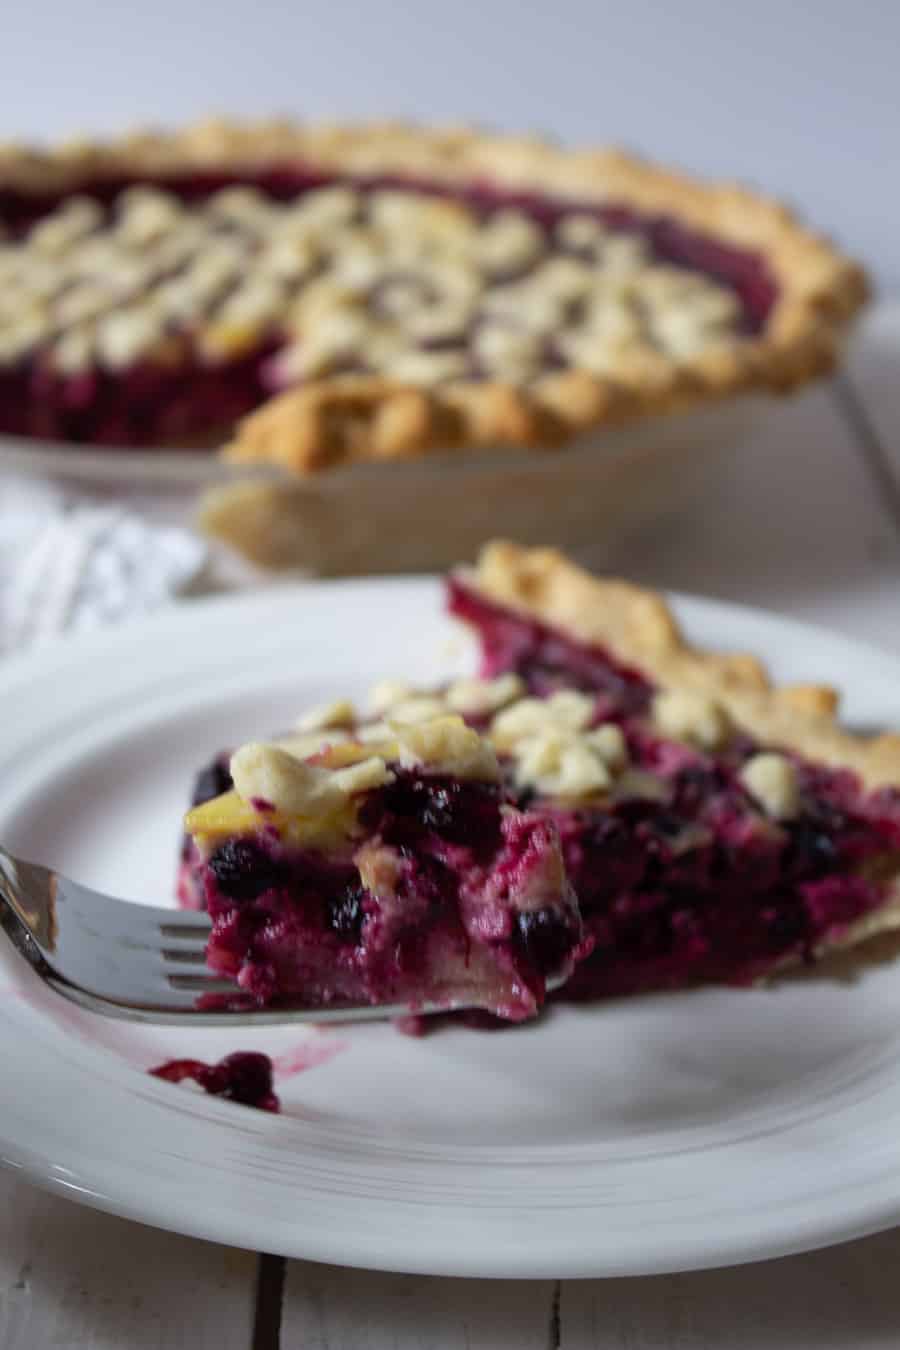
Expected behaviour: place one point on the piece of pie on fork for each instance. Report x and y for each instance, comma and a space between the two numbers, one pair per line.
391, 868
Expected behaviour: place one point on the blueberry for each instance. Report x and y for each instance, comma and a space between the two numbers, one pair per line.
211, 782
438, 808
789, 924
810, 848
243, 870
461, 813
345, 913
695, 786
248, 1078
630, 813
667, 824
544, 938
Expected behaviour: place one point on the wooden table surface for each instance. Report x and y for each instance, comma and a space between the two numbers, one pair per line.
806, 521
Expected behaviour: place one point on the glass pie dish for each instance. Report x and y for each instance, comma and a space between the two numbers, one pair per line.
429, 334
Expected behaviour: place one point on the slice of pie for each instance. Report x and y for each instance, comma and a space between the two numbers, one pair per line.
413, 289
388, 869
714, 826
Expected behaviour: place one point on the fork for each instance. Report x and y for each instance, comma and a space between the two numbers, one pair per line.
139, 962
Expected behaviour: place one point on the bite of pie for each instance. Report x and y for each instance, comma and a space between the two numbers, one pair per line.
410, 289
387, 867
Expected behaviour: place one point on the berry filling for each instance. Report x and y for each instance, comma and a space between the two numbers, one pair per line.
680, 874
244, 1077
448, 896
546, 660
697, 886
181, 397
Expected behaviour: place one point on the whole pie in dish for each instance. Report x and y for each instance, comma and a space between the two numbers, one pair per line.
410, 289
385, 868
714, 827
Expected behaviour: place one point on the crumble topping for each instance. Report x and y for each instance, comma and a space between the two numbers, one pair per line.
385, 281
326, 716
772, 779
695, 718
477, 698
566, 711
314, 777
387, 692
560, 766
551, 742
304, 744
554, 745
448, 745
553, 748
416, 708
268, 776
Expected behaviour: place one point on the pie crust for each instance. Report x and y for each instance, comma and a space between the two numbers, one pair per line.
336, 419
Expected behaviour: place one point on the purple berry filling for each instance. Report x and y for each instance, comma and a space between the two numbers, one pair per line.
675, 893
459, 921
545, 660
244, 1077
691, 883
189, 401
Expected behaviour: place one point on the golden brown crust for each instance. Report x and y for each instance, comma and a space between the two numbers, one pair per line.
638, 628
820, 290
346, 418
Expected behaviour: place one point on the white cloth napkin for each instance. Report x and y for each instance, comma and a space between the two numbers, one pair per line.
70, 563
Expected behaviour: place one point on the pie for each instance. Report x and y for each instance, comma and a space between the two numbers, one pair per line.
383, 291
715, 828
380, 865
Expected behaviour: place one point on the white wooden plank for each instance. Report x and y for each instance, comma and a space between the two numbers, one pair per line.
73, 1277
844, 1298
873, 367
326, 1308
791, 521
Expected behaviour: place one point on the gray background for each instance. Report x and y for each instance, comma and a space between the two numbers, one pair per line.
801, 99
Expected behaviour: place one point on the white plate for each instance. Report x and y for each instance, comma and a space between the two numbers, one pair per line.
650, 1134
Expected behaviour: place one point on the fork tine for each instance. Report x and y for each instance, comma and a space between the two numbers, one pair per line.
186, 942
203, 984
184, 957
178, 923
178, 1006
